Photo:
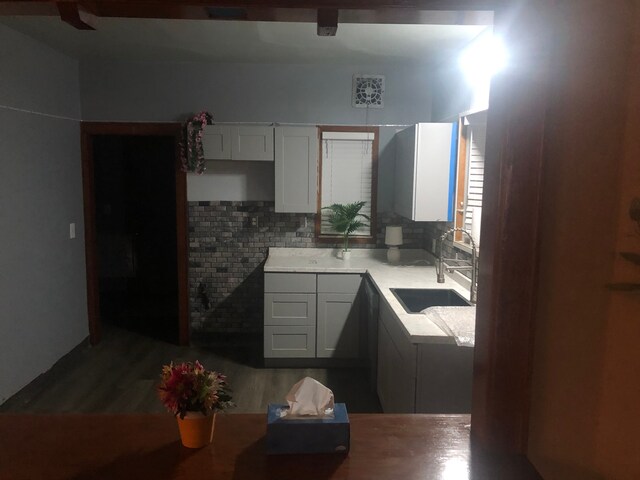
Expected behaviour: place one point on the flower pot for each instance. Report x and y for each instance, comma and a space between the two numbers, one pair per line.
196, 429
346, 254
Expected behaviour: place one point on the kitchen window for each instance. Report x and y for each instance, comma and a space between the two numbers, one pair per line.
470, 177
348, 173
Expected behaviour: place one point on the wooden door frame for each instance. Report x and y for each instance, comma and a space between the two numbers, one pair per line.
87, 131
512, 207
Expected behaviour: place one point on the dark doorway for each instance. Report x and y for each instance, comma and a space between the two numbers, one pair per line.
135, 218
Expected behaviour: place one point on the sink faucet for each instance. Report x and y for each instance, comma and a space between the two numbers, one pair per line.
440, 265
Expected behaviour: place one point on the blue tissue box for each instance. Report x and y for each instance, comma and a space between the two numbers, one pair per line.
327, 435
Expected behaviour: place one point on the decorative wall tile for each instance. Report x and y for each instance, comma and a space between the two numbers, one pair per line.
228, 245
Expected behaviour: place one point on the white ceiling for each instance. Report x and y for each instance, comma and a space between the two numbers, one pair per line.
247, 42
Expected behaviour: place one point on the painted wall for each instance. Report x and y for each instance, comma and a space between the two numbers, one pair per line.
454, 94
316, 94
42, 272
586, 390
308, 94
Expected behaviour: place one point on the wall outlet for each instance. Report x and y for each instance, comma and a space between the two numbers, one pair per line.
72, 230
254, 222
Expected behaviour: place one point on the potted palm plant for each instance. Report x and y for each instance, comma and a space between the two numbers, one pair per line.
345, 219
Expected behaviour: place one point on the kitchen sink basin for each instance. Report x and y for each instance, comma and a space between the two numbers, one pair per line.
414, 300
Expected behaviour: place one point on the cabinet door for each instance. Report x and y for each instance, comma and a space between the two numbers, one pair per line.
252, 143
435, 172
290, 283
405, 172
445, 379
426, 156
338, 325
296, 169
216, 142
289, 341
289, 309
396, 366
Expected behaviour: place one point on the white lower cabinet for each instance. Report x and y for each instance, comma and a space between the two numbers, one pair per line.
396, 365
338, 329
291, 341
290, 309
420, 378
312, 316
290, 325
445, 379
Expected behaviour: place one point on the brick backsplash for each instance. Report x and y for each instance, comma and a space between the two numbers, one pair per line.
227, 251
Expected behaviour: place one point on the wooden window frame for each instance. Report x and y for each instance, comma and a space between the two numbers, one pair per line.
360, 240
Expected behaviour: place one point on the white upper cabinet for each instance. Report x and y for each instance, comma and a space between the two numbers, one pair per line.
238, 142
425, 172
296, 169
252, 143
216, 142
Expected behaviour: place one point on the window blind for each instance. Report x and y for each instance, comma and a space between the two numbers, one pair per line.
475, 172
346, 174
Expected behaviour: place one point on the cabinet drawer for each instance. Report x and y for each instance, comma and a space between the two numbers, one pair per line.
290, 283
336, 283
289, 342
289, 309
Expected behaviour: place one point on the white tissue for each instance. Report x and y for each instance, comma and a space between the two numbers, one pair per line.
310, 397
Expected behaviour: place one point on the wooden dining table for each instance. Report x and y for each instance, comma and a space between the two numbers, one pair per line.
147, 446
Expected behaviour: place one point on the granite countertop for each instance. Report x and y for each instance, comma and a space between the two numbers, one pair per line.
414, 270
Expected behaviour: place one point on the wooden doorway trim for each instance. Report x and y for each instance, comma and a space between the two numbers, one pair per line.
513, 187
87, 131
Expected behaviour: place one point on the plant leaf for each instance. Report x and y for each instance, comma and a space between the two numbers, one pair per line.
343, 217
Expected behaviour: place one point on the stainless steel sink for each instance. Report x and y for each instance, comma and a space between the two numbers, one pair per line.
414, 300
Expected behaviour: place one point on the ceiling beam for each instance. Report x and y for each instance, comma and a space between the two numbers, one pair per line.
440, 12
327, 22
73, 14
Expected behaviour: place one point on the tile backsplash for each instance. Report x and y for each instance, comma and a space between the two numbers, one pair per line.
228, 245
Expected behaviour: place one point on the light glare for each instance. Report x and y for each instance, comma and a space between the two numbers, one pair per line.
483, 58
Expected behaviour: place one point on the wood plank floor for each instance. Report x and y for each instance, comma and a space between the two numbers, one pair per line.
120, 375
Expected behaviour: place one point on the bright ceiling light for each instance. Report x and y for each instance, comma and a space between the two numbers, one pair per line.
483, 58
